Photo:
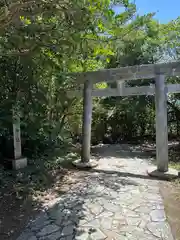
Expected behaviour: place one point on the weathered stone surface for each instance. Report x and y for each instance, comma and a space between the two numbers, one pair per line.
67, 230
96, 209
103, 204
159, 206
98, 235
26, 235
48, 230
130, 229
71, 237
94, 223
39, 225
106, 223
56, 213
130, 213
134, 221
105, 214
160, 230
39, 222
82, 236
158, 215
143, 209
33, 238
111, 207
53, 236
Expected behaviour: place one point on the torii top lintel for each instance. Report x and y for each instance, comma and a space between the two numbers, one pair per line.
147, 71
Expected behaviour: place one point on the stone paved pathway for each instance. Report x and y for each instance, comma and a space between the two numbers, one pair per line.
116, 201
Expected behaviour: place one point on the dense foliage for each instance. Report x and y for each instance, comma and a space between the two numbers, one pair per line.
42, 41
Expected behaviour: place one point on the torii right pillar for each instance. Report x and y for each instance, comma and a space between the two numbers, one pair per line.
161, 171
161, 124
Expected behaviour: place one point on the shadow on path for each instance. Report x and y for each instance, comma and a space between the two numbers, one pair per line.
24, 192
123, 174
72, 215
115, 200
125, 151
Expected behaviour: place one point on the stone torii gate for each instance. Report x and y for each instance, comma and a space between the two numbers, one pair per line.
159, 72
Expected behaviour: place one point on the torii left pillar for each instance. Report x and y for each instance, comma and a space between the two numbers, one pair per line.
86, 161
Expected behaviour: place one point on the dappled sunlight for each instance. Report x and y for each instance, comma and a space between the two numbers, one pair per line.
25, 193
104, 204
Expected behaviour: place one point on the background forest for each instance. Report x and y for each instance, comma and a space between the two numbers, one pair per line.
42, 41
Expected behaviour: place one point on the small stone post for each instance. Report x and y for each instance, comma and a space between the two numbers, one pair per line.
120, 87
161, 124
18, 161
17, 136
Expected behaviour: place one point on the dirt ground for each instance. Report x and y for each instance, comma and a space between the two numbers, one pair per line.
14, 214
171, 195
19, 204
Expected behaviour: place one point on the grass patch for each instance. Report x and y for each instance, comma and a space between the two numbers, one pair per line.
175, 165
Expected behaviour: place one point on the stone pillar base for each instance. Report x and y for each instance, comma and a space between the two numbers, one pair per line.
169, 175
19, 163
89, 164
